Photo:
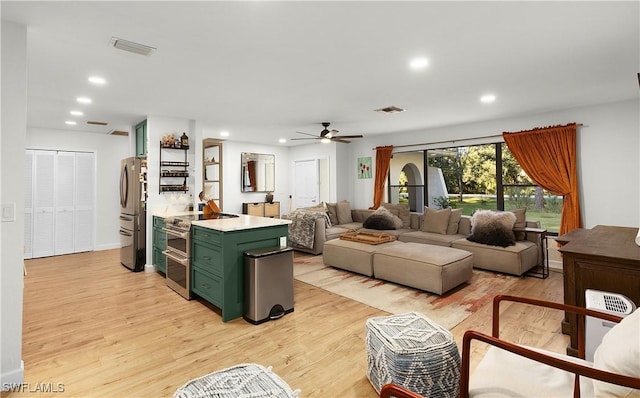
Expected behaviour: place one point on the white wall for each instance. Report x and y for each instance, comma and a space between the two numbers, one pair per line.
109, 150
232, 166
608, 147
12, 142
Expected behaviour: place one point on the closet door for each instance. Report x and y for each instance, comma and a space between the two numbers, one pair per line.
84, 200
44, 203
28, 204
64, 206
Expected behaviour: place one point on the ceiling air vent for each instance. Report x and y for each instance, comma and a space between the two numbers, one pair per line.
131, 46
97, 123
118, 132
390, 109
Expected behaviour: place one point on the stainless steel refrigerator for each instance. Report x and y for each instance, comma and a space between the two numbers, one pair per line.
132, 213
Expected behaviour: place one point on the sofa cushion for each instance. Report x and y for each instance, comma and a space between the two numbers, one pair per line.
343, 209
619, 352
493, 228
332, 210
436, 221
429, 238
454, 220
400, 210
521, 222
514, 260
382, 219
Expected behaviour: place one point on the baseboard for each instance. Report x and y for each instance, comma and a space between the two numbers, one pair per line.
13, 378
556, 265
109, 246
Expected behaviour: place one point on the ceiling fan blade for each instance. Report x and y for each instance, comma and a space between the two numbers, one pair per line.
351, 136
314, 138
312, 135
340, 140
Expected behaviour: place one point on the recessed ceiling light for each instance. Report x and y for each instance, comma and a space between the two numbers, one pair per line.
282, 140
419, 63
76, 113
487, 98
97, 80
84, 100
71, 122
224, 133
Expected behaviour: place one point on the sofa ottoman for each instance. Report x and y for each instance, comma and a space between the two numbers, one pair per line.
515, 260
436, 269
352, 256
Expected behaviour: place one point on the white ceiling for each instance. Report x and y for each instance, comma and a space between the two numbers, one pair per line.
263, 70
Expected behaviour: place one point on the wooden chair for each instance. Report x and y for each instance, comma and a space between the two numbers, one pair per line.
564, 375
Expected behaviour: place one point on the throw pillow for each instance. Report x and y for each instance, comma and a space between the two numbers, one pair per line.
332, 210
382, 219
521, 222
343, 210
493, 228
403, 212
436, 221
454, 220
619, 353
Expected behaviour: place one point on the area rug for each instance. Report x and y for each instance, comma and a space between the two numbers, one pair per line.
447, 310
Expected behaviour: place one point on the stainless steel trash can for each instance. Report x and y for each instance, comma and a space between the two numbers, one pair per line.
268, 284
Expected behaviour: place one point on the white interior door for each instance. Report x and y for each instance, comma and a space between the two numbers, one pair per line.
306, 183
44, 203
84, 200
64, 209
28, 204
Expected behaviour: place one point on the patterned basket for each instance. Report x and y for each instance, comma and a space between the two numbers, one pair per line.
412, 351
240, 381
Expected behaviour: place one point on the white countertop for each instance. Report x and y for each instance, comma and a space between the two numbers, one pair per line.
241, 222
172, 213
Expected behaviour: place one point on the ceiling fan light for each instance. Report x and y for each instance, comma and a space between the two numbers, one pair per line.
325, 140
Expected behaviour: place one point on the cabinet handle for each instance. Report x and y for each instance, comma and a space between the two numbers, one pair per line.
205, 286
206, 257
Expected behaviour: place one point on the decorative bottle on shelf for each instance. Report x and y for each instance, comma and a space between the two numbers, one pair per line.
184, 140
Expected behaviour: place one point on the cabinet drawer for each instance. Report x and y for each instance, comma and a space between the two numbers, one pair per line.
159, 260
207, 235
254, 209
158, 222
272, 209
207, 286
159, 238
207, 257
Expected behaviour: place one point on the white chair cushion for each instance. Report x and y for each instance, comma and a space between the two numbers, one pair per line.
619, 352
504, 374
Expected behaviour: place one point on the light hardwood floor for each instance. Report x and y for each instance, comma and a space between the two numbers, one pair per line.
103, 331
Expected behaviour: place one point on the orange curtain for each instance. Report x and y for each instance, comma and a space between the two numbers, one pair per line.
383, 159
251, 166
548, 156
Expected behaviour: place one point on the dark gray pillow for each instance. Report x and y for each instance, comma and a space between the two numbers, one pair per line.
379, 221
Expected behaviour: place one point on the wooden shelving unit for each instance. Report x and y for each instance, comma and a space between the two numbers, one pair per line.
212, 170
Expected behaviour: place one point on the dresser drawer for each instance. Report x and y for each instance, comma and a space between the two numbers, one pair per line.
253, 209
206, 235
207, 286
272, 209
207, 257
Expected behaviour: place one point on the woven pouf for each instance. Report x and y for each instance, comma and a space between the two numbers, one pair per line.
240, 381
414, 352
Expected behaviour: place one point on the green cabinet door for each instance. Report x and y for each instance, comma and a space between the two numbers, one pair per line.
159, 244
141, 139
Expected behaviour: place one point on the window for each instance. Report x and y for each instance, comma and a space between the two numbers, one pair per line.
470, 177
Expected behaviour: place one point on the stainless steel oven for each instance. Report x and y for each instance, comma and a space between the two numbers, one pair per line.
178, 255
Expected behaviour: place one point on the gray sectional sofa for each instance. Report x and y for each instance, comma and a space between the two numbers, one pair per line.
516, 259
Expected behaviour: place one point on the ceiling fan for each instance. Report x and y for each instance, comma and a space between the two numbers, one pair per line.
328, 135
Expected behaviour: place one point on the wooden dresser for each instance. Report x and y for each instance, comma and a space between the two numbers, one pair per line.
603, 258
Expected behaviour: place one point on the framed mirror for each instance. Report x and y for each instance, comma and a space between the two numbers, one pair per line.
258, 172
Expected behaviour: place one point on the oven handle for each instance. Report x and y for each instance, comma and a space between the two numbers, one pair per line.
181, 235
182, 260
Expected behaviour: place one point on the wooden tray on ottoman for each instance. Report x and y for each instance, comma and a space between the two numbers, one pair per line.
371, 238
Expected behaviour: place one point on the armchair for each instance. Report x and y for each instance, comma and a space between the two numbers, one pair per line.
513, 370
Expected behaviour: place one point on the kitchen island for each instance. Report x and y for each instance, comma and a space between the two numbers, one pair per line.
217, 257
